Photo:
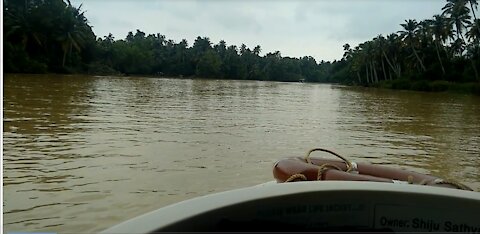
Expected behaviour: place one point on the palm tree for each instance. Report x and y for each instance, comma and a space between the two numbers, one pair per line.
473, 7
257, 50
474, 33
409, 34
72, 31
474, 48
424, 33
459, 14
393, 47
22, 24
348, 51
441, 32
457, 47
380, 46
356, 62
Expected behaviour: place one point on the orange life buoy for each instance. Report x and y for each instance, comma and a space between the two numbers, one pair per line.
310, 169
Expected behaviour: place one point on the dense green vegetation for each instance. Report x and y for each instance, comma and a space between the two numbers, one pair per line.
46, 36
54, 36
433, 55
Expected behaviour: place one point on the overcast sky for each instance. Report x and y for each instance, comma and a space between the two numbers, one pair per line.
317, 28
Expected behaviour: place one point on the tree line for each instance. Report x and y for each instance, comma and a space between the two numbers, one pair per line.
55, 36
445, 47
46, 36
155, 55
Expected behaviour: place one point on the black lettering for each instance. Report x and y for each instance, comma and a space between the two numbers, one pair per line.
454, 228
429, 225
296, 209
383, 220
415, 223
339, 207
317, 208
448, 226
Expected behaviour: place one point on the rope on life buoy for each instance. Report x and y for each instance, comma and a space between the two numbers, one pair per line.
453, 183
321, 168
350, 167
296, 177
324, 167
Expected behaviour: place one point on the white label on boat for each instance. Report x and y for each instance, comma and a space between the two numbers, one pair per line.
424, 219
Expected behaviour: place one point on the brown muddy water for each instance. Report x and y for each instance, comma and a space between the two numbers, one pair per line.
81, 154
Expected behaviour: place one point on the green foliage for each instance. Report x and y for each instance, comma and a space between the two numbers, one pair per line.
420, 85
54, 36
443, 48
400, 84
17, 60
468, 88
97, 68
439, 86
209, 65
45, 36
438, 54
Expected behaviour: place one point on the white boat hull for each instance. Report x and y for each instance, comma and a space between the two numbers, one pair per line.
318, 206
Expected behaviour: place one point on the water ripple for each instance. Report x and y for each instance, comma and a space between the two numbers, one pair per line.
96, 150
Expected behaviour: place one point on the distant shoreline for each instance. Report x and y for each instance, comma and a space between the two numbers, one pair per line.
437, 86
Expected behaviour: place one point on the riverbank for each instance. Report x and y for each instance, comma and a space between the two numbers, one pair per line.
398, 84
430, 86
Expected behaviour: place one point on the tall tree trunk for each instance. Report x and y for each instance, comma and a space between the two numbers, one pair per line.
399, 68
384, 72
390, 64
372, 77
374, 71
475, 69
64, 57
366, 70
439, 58
70, 53
65, 52
359, 78
446, 53
418, 58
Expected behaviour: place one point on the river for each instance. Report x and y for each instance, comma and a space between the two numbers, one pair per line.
83, 153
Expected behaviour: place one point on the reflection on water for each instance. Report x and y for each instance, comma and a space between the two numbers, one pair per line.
84, 153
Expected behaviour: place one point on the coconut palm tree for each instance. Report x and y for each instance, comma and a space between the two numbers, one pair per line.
72, 31
473, 52
474, 33
356, 62
393, 47
409, 35
21, 23
440, 30
383, 47
459, 15
473, 7
457, 47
